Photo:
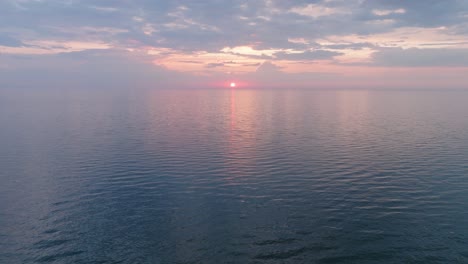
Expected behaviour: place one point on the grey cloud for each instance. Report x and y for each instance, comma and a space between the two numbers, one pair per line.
308, 55
421, 57
9, 41
86, 68
214, 65
353, 46
268, 68
191, 61
271, 76
428, 13
252, 64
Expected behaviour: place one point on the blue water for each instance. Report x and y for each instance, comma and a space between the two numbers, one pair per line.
233, 176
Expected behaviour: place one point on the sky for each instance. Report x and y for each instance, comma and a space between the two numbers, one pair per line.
404, 44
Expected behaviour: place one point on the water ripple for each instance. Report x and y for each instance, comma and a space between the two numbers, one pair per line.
235, 177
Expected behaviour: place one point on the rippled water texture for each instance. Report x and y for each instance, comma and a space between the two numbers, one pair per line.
233, 176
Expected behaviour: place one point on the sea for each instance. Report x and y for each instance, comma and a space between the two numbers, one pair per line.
233, 176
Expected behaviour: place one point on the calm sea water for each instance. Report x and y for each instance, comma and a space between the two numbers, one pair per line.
233, 176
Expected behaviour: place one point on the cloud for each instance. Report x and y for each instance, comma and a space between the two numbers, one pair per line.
10, 42
308, 55
249, 51
53, 47
84, 68
383, 12
214, 65
414, 57
268, 68
429, 13
316, 10
270, 75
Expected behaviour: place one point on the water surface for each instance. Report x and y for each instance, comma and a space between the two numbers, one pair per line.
233, 176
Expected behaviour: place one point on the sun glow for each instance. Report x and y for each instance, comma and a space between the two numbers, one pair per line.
233, 84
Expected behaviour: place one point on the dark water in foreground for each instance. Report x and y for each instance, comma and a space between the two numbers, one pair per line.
242, 176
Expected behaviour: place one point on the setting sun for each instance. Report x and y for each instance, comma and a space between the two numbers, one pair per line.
233, 84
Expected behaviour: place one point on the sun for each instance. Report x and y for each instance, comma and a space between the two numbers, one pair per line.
233, 84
